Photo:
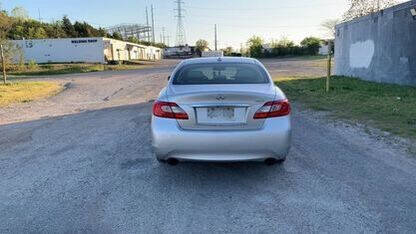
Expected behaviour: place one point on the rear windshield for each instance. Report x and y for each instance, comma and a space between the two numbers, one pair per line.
230, 73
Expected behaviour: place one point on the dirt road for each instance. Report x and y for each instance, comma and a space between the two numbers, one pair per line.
81, 162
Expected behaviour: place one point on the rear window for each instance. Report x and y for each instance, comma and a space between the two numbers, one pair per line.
227, 73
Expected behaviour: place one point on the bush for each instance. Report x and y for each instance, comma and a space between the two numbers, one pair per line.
311, 45
284, 47
32, 65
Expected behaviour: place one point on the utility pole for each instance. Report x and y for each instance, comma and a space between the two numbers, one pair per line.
180, 29
153, 25
378, 5
3, 64
328, 75
148, 26
163, 35
216, 39
40, 18
168, 41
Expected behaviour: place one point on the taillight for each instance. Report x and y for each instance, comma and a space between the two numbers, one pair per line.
273, 109
168, 110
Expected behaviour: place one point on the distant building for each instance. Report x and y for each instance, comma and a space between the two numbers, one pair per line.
180, 52
324, 48
212, 53
85, 50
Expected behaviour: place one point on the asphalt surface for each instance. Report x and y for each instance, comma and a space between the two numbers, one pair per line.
82, 162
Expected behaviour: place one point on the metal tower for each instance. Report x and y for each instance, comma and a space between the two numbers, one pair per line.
147, 24
153, 25
180, 30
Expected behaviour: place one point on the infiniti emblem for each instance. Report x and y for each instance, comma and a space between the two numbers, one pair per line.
220, 98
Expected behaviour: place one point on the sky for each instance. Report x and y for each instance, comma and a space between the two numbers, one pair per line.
237, 20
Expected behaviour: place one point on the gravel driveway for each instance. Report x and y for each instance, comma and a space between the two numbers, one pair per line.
81, 162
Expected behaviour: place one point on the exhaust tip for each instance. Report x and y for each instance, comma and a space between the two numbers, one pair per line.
173, 161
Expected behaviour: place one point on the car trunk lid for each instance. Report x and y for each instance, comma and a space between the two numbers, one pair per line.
221, 107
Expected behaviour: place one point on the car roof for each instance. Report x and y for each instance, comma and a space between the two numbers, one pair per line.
242, 60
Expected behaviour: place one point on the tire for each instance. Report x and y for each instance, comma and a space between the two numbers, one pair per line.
161, 160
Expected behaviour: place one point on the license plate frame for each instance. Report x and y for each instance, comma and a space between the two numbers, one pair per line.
221, 115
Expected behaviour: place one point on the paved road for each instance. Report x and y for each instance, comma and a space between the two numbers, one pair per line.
82, 162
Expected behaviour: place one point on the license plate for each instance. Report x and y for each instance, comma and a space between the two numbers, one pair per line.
226, 113
221, 115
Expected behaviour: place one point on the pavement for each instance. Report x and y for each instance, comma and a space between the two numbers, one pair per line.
81, 162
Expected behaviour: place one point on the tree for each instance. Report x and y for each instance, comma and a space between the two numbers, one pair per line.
11, 52
102, 32
283, 42
360, 8
228, 51
133, 39
20, 13
255, 46
5, 24
201, 45
68, 27
329, 27
117, 36
56, 30
311, 44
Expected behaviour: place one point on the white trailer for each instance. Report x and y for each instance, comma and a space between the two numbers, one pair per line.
85, 50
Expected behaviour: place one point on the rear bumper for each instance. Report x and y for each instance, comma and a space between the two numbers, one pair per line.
271, 141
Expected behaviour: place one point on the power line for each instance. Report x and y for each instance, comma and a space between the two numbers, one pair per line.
259, 9
180, 30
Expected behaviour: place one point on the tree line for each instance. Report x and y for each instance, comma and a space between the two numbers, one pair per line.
257, 48
17, 25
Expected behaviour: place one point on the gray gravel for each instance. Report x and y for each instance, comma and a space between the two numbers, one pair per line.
82, 162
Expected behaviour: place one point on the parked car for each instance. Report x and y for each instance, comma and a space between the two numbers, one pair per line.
221, 109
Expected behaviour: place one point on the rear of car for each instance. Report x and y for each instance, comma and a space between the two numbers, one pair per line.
221, 109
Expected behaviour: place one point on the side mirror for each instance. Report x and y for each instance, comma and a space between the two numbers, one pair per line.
168, 77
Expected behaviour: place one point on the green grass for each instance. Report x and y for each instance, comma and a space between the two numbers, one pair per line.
312, 57
16, 92
57, 69
387, 107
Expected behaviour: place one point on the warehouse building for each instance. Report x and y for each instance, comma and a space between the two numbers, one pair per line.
85, 50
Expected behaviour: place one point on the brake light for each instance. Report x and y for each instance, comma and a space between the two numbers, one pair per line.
273, 109
168, 110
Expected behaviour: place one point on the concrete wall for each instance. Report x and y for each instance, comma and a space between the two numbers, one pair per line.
380, 47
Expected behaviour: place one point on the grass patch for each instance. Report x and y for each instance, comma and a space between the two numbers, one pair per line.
58, 69
313, 57
387, 107
16, 92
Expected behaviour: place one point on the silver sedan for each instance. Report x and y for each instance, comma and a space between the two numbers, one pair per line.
223, 110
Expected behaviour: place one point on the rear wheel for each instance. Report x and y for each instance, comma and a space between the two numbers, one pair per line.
273, 161
172, 161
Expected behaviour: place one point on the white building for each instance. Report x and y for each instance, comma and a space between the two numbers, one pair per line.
179, 51
86, 50
324, 49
